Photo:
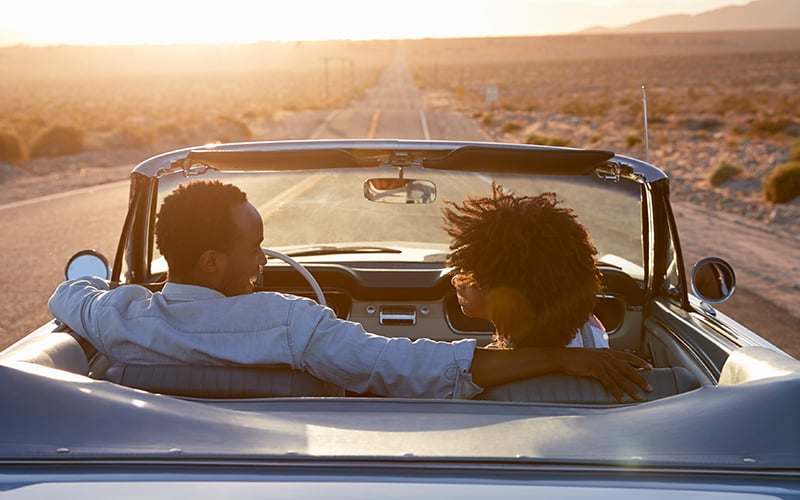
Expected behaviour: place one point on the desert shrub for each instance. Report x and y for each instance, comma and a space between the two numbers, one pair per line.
508, 105
658, 109
510, 126
545, 140
130, 136
586, 107
739, 129
783, 183
734, 103
695, 94
233, 130
724, 172
770, 126
632, 140
170, 130
794, 151
12, 149
58, 140
708, 124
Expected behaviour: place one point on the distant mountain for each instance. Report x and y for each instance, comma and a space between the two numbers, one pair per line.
756, 15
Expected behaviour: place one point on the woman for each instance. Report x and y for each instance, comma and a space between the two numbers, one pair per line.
528, 266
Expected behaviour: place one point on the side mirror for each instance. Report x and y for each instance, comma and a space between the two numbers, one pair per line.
713, 280
87, 263
399, 191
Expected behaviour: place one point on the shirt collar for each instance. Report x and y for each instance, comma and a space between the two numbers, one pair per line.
179, 292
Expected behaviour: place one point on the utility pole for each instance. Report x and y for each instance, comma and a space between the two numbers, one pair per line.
341, 75
352, 79
327, 88
346, 85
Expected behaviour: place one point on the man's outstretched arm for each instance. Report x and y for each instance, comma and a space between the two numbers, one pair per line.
618, 371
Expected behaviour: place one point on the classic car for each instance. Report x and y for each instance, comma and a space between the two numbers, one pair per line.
357, 226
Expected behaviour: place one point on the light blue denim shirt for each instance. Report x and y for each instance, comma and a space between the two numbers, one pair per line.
187, 324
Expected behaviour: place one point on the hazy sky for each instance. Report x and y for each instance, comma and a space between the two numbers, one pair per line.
164, 21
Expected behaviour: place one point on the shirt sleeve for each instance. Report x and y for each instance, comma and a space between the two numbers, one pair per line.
343, 352
71, 303
80, 304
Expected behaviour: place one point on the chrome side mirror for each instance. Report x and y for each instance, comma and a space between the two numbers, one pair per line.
87, 263
713, 280
400, 191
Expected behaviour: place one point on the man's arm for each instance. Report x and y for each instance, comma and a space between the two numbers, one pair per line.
618, 371
69, 302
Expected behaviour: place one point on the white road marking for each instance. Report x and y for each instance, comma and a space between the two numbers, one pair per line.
290, 194
373, 126
322, 126
425, 132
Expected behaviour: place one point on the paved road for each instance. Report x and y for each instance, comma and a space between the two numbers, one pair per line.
38, 236
36, 239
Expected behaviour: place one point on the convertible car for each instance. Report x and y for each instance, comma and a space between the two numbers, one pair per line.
357, 225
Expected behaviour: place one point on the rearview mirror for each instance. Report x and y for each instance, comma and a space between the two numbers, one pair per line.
400, 191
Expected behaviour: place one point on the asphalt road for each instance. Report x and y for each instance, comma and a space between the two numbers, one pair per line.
37, 236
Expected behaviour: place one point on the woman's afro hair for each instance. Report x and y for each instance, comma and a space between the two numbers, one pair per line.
534, 260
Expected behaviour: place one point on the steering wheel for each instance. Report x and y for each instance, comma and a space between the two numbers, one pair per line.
300, 269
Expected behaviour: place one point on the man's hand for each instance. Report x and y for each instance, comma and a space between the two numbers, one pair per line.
618, 371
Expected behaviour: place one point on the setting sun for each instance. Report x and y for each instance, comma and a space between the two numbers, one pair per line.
95, 22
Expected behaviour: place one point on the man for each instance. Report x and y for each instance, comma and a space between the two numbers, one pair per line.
208, 313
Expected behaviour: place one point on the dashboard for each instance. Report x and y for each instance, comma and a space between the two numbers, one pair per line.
418, 301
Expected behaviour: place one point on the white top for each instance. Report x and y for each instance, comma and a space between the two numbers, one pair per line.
590, 336
187, 324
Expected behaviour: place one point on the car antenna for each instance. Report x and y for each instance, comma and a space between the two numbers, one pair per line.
646, 138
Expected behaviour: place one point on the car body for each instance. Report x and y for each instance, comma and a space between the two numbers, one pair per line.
357, 224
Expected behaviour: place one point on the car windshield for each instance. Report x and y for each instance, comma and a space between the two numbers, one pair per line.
325, 212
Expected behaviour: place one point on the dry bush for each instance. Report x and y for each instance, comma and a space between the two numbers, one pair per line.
783, 183
170, 131
58, 140
739, 103
510, 126
232, 130
131, 137
632, 140
588, 107
794, 151
544, 140
770, 126
12, 149
723, 172
707, 123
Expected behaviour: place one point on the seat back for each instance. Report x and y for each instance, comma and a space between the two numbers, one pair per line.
221, 381
558, 388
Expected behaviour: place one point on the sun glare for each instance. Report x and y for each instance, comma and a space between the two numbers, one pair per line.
99, 22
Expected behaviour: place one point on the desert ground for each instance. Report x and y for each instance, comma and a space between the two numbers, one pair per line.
711, 98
